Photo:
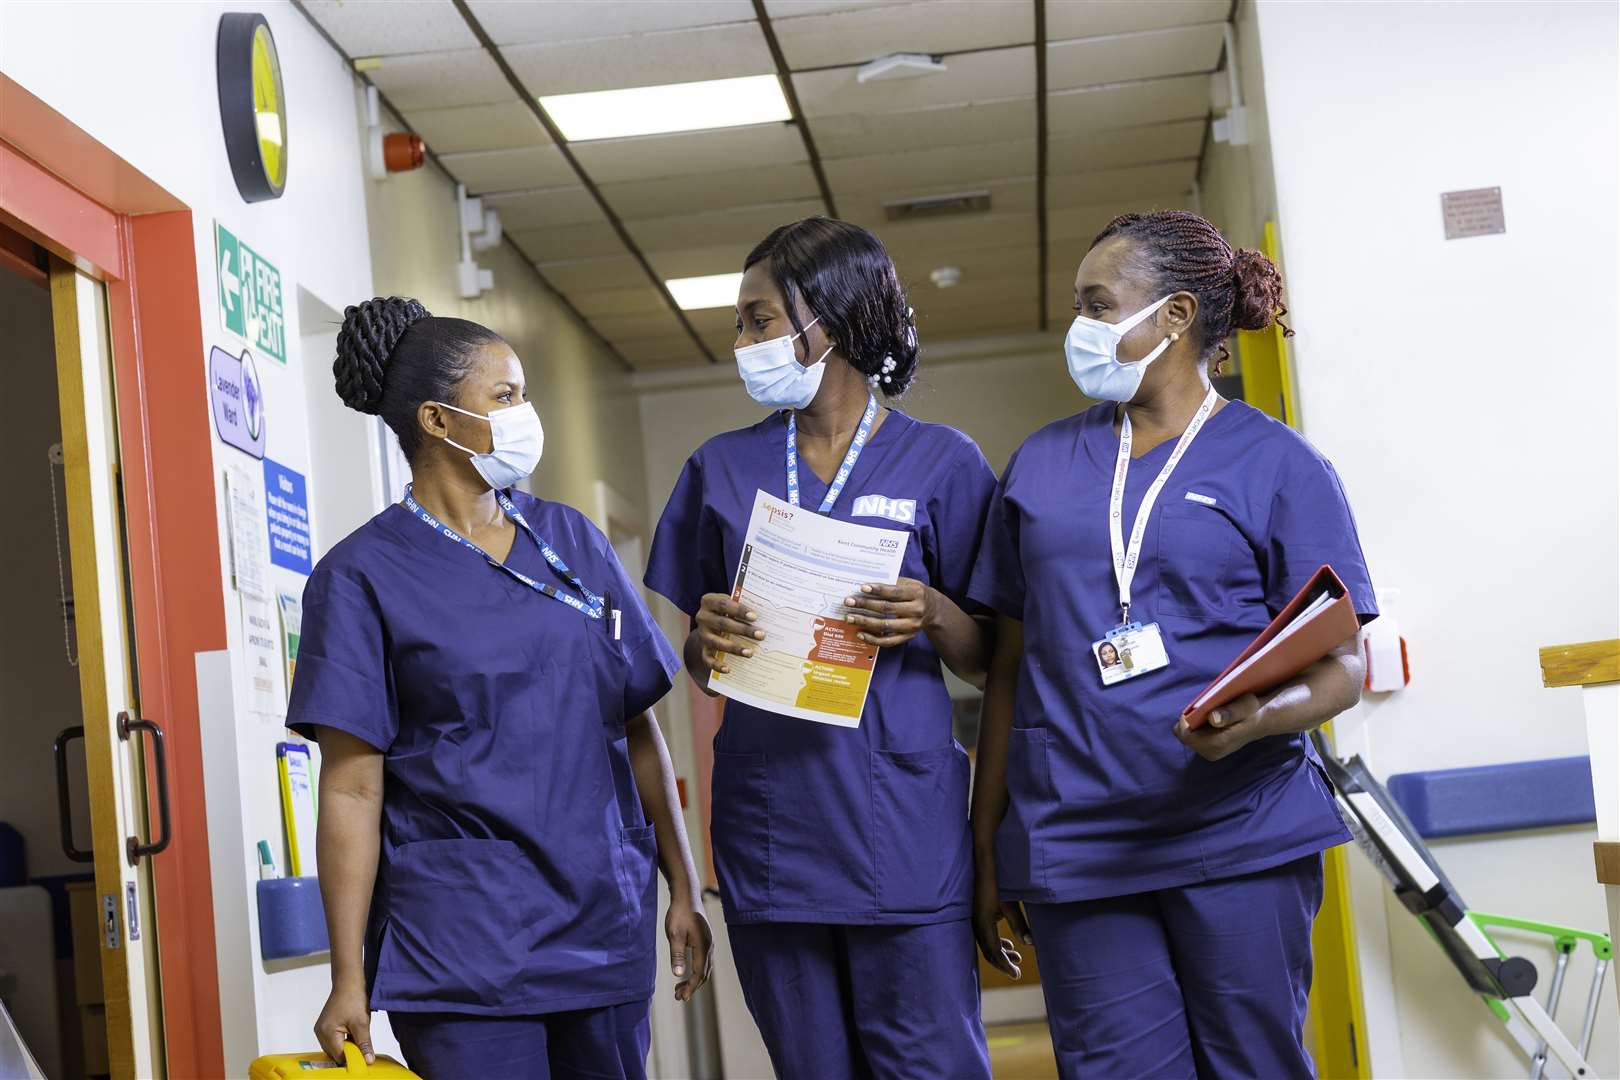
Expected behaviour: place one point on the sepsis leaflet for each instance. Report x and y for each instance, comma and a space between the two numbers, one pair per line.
797, 567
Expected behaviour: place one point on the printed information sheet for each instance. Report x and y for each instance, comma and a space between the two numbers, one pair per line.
797, 567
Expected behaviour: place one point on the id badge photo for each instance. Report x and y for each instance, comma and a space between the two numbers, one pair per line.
1128, 651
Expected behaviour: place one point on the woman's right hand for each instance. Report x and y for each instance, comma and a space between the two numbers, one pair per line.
988, 910
347, 1016
725, 626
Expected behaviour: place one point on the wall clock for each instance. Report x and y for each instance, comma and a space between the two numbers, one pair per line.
252, 107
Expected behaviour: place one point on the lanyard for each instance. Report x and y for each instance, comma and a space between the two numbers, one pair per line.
591, 607
1125, 558
836, 488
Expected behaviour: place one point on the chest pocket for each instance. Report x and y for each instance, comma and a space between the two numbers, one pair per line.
1201, 558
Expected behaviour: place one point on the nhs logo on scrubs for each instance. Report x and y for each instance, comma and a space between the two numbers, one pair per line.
877, 506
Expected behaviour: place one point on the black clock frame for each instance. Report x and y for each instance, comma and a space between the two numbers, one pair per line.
234, 69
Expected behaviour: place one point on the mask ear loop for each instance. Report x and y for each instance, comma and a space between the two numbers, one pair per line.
464, 412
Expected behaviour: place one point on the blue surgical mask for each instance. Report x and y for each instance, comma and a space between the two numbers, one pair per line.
1092, 350
773, 376
516, 443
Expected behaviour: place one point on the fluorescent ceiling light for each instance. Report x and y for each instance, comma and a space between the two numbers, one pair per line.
655, 110
715, 290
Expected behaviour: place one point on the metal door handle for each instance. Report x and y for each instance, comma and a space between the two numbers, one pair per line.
64, 808
133, 847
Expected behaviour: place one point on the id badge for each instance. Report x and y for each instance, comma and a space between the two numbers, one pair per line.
1128, 651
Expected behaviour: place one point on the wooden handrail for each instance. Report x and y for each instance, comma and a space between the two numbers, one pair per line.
1584, 664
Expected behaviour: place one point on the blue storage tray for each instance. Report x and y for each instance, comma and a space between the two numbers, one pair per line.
291, 922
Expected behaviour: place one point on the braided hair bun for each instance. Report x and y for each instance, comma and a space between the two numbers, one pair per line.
1257, 299
371, 331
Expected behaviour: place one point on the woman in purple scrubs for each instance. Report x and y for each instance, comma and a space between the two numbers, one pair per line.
842, 853
478, 668
1169, 876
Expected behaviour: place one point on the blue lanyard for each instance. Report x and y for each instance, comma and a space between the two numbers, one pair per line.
591, 607
836, 488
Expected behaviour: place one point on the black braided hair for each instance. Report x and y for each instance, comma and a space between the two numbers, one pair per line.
392, 355
844, 275
1179, 251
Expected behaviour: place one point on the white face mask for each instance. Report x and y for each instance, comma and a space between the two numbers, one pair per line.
1092, 350
516, 442
773, 375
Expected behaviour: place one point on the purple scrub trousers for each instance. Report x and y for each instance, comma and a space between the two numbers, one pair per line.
609, 1043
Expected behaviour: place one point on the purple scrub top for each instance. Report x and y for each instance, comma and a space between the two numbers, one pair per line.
811, 822
517, 868
1105, 801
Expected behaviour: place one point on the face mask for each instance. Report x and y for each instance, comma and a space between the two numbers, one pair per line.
1092, 350
516, 441
773, 375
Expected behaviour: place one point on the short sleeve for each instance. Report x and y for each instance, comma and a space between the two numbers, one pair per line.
997, 580
958, 509
341, 679
1311, 525
686, 559
650, 662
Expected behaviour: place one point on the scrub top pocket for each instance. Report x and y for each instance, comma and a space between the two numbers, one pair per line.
460, 918
923, 794
741, 830
1198, 549
1020, 866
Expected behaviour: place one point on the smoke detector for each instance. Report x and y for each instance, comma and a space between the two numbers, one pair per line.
899, 66
944, 277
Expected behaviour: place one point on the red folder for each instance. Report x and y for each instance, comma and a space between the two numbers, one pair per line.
1335, 623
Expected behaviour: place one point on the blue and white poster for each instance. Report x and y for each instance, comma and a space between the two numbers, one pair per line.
286, 508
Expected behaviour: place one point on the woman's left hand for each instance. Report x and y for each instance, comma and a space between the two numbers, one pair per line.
1228, 729
688, 928
899, 611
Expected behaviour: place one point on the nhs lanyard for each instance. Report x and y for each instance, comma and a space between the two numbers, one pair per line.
1126, 558
592, 606
836, 488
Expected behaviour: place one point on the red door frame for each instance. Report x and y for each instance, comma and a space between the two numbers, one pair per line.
75, 197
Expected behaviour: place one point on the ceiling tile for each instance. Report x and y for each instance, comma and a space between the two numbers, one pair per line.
439, 80
1090, 18
1147, 55
717, 327
978, 264
957, 168
932, 26
375, 29
550, 207
788, 9
579, 20
744, 226
485, 171
1080, 223
709, 191
609, 272
1126, 146
655, 324
1114, 185
855, 134
948, 238
570, 67
1125, 105
629, 300
610, 161
982, 76
651, 354
568, 241
700, 261
501, 126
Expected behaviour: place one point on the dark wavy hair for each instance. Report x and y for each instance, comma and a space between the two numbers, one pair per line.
392, 355
844, 275
1179, 251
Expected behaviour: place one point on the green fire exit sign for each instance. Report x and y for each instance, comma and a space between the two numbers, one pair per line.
249, 295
